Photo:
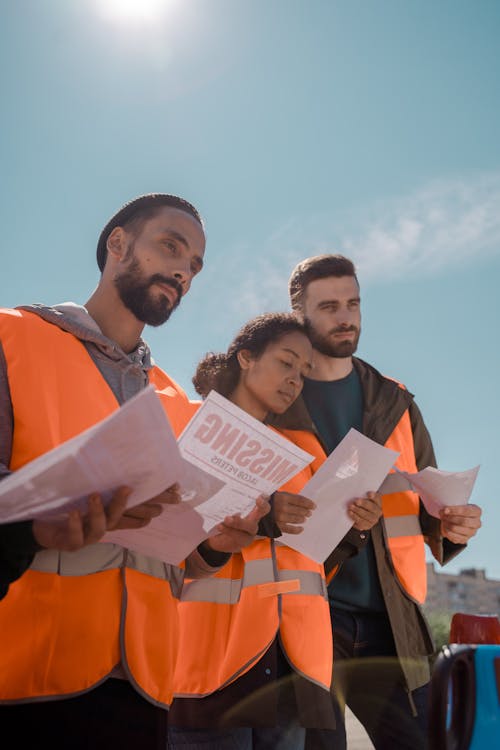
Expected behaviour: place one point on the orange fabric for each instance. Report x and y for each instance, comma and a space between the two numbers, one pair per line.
278, 587
407, 552
219, 642
151, 634
61, 634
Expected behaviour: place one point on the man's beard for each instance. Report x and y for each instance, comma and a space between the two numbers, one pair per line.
325, 345
134, 291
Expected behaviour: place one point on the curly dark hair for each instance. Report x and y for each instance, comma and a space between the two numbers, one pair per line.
221, 372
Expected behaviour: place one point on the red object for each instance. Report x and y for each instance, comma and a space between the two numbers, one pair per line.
474, 628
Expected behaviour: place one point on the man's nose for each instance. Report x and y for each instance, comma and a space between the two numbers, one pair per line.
183, 274
345, 317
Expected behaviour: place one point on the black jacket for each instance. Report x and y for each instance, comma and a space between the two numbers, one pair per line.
384, 404
17, 550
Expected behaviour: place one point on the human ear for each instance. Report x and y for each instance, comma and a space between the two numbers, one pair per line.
116, 243
245, 359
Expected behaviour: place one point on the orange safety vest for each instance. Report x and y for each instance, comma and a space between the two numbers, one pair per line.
228, 621
401, 521
71, 618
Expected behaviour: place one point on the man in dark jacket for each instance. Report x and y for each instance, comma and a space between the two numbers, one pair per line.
382, 642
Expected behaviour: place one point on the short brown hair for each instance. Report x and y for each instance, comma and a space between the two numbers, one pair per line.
316, 267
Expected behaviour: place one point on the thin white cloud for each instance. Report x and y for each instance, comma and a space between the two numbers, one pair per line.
446, 223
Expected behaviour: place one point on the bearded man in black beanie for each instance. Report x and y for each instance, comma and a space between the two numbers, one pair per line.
89, 637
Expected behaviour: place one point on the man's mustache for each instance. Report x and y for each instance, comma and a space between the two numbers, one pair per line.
344, 329
157, 278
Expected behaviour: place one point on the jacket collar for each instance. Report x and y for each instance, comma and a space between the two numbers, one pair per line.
384, 404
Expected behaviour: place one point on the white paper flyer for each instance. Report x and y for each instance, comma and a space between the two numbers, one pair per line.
127, 448
356, 466
436, 488
230, 459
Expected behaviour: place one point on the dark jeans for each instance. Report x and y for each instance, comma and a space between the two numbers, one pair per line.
285, 734
368, 678
108, 717
290, 737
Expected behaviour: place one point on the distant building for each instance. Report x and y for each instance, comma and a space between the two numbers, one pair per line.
468, 591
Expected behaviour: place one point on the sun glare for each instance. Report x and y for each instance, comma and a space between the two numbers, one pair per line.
134, 10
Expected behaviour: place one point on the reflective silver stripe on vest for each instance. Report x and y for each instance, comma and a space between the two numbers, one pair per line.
228, 590
103, 556
402, 526
311, 583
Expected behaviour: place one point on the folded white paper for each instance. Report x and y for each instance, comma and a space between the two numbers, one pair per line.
356, 466
134, 446
230, 459
223, 461
436, 488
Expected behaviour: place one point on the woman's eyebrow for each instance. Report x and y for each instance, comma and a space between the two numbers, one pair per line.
290, 351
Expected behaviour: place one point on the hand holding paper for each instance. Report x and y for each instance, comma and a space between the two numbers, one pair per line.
140, 515
445, 495
235, 533
460, 523
128, 448
291, 511
80, 529
355, 467
437, 489
366, 511
229, 459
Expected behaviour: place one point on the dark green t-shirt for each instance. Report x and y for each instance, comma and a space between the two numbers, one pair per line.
335, 406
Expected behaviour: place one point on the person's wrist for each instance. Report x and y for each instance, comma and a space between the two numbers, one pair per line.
213, 557
362, 534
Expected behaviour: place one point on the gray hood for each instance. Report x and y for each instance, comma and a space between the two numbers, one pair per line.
76, 320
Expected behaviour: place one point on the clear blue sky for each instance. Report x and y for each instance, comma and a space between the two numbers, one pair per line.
368, 127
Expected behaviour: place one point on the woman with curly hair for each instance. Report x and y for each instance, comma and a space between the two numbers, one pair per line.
255, 659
